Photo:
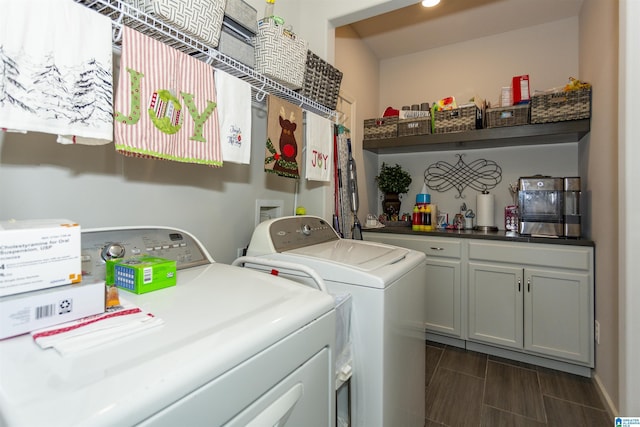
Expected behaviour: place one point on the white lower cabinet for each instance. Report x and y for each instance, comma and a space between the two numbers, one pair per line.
557, 318
444, 278
495, 304
535, 300
532, 297
443, 297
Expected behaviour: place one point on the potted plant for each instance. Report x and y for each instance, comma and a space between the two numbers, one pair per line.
392, 181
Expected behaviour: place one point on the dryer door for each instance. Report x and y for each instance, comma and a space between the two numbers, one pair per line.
300, 399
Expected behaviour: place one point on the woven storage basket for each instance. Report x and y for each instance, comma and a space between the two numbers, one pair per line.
507, 116
466, 117
280, 54
561, 106
200, 20
414, 126
385, 127
321, 81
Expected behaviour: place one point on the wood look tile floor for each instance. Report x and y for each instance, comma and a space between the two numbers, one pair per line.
465, 388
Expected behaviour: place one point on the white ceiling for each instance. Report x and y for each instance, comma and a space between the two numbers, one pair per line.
415, 28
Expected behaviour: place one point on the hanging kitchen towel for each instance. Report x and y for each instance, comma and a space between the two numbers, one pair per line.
319, 148
284, 138
165, 104
234, 115
56, 70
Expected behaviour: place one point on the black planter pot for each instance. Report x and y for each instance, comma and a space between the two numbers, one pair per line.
391, 204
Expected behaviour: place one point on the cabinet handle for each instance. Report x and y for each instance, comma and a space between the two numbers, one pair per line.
528, 285
519, 284
436, 248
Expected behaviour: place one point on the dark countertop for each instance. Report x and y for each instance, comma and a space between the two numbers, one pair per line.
506, 236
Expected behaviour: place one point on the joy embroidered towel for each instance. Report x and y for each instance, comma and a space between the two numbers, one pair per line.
165, 104
56, 70
284, 138
319, 148
234, 115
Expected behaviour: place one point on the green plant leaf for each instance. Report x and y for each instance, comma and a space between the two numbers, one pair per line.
393, 179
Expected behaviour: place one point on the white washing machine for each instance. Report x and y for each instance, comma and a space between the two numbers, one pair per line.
387, 285
237, 348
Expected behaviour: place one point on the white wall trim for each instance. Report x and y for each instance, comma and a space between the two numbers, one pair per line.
610, 406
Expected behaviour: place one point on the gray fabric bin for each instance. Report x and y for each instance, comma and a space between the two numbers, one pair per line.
242, 14
240, 50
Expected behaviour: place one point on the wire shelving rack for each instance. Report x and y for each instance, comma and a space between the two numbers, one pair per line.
122, 13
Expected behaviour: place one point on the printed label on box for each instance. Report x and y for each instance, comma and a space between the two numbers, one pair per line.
141, 274
38, 255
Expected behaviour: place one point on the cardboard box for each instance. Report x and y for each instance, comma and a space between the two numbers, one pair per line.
29, 311
38, 254
521, 90
141, 274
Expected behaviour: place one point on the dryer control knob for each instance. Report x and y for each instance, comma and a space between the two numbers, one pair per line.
306, 229
112, 250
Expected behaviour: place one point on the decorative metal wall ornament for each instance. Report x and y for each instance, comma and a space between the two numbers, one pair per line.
479, 175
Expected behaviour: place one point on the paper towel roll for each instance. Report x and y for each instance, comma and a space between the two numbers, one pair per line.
484, 210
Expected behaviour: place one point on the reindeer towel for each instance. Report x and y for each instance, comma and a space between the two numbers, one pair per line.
56, 70
284, 138
165, 104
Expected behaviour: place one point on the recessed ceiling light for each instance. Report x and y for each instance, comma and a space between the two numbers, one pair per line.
430, 3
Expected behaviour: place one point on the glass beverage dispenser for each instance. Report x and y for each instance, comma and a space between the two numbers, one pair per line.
572, 216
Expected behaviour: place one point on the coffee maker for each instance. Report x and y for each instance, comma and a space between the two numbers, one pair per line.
572, 216
549, 206
541, 206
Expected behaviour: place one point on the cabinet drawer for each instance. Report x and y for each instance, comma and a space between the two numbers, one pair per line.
558, 256
442, 247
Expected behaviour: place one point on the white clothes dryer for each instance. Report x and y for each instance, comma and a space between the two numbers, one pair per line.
237, 348
387, 285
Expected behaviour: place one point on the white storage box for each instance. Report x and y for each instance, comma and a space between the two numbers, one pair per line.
26, 312
38, 254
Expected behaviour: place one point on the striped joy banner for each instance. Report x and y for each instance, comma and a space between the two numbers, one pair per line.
165, 106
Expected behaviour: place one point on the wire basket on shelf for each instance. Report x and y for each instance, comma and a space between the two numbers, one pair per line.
561, 106
417, 123
321, 81
507, 116
381, 128
463, 118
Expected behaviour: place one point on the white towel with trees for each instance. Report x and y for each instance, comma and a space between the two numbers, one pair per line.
56, 72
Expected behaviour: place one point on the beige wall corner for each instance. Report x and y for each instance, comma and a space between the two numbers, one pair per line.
598, 65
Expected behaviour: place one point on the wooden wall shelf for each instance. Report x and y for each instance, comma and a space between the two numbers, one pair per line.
513, 136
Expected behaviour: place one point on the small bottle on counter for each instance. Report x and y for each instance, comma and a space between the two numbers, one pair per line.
421, 210
428, 218
416, 220
421, 219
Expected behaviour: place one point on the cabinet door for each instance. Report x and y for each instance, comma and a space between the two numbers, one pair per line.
557, 307
495, 304
443, 297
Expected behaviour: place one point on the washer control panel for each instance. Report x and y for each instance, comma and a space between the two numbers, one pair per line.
296, 232
100, 245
